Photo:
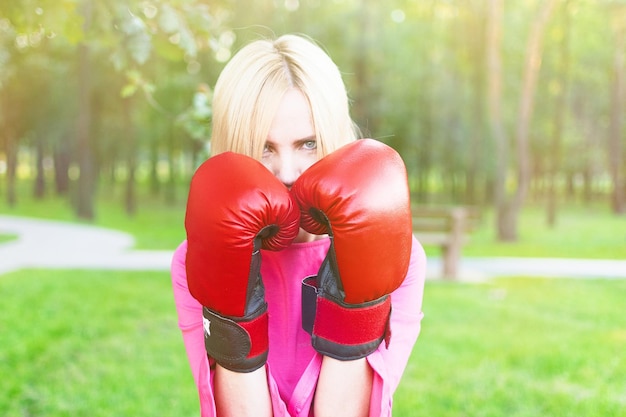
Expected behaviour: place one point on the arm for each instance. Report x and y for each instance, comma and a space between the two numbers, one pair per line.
339, 380
231, 387
376, 384
189, 312
228, 385
227, 224
359, 196
389, 364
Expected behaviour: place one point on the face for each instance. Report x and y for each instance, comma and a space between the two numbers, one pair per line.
291, 145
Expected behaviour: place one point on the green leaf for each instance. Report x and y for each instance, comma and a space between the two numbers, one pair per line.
128, 90
166, 49
168, 19
139, 47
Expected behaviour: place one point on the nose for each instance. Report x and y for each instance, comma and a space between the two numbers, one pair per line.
287, 168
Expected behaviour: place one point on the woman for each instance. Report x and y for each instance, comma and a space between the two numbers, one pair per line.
283, 103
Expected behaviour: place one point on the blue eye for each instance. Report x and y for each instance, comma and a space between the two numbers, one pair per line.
310, 145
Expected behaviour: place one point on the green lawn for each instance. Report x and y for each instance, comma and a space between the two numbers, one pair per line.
6, 238
92, 343
580, 232
519, 348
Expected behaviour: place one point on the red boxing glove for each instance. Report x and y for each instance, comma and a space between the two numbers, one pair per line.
359, 195
235, 207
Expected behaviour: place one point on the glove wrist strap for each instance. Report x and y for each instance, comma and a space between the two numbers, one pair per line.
239, 346
340, 330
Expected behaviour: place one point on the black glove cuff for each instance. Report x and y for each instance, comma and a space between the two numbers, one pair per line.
229, 342
309, 302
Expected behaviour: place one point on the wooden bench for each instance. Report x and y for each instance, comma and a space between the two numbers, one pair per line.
446, 227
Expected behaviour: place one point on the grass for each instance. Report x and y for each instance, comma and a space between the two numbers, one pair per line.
90, 343
518, 348
7, 238
581, 231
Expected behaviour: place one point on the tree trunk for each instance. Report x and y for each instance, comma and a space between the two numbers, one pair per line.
61, 169
508, 210
615, 150
424, 152
494, 106
170, 188
361, 109
39, 190
11, 150
155, 184
86, 182
10, 106
477, 149
559, 116
131, 159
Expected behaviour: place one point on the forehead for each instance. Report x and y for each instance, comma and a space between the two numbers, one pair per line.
293, 120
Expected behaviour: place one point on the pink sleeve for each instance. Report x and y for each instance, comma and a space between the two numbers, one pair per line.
190, 322
406, 315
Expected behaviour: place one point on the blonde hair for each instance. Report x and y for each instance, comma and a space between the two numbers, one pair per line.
251, 86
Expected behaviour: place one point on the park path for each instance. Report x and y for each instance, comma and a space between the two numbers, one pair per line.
54, 244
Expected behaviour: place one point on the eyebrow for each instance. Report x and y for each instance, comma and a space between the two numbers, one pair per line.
301, 140
307, 139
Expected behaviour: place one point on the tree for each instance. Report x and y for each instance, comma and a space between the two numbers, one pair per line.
106, 37
416, 71
86, 180
560, 95
616, 131
508, 207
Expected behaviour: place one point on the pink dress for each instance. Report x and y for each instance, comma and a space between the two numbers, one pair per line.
293, 366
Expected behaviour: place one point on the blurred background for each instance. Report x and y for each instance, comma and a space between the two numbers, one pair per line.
490, 104
513, 108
